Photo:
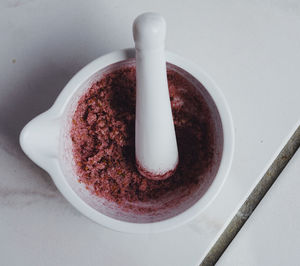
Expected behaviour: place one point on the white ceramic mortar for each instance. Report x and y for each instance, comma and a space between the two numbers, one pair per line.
46, 141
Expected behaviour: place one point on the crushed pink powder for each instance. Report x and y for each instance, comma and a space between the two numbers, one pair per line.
103, 138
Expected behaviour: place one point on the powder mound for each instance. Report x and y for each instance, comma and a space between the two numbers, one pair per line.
103, 138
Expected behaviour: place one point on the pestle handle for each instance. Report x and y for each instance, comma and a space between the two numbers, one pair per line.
149, 31
155, 139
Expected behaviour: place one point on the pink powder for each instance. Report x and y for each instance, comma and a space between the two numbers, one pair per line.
103, 140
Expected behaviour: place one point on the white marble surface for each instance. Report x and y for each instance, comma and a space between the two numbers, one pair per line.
271, 236
250, 48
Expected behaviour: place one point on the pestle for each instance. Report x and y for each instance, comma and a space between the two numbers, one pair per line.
155, 140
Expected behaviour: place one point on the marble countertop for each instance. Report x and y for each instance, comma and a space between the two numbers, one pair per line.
271, 236
249, 48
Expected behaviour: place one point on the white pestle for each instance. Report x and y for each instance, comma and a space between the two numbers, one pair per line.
155, 140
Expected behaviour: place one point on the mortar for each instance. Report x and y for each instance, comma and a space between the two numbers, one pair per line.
46, 140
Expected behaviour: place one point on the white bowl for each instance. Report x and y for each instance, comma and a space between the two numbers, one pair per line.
46, 141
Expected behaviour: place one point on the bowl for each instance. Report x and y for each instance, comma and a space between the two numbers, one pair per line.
46, 141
